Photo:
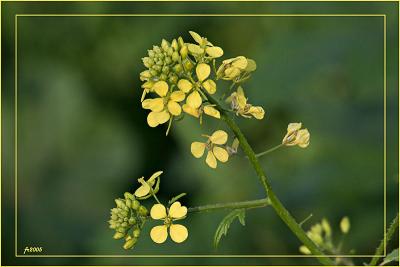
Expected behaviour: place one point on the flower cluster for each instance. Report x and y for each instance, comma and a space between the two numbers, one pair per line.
127, 219
322, 235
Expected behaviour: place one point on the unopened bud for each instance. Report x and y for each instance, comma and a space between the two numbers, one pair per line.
130, 243
135, 204
118, 235
142, 210
136, 233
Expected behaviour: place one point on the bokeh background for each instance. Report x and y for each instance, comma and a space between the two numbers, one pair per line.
83, 139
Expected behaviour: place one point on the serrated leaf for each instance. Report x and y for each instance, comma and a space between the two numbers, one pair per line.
392, 256
226, 222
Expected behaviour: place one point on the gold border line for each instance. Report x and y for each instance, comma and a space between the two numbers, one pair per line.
249, 1
190, 15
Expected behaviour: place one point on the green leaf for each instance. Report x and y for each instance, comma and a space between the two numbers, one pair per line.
392, 256
226, 222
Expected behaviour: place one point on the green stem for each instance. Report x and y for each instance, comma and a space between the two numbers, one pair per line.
282, 212
389, 235
269, 151
259, 203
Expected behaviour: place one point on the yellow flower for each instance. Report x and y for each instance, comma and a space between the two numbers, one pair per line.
296, 136
214, 151
178, 232
231, 69
198, 112
163, 107
345, 225
203, 45
241, 107
145, 189
147, 87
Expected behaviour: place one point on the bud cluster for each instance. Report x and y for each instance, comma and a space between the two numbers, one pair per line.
166, 62
127, 219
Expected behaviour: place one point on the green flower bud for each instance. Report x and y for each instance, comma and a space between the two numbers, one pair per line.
164, 44
114, 210
128, 237
128, 195
168, 60
180, 41
174, 45
157, 67
142, 210
156, 49
153, 72
170, 51
124, 224
125, 219
118, 235
178, 68
130, 243
173, 79
132, 220
136, 233
184, 51
151, 53
175, 56
128, 203
188, 65
135, 204
121, 230
163, 77
114, 216
165, 69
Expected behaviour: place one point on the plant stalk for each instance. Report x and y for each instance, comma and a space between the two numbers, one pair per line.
282, 212
259, 203
389, 234
258, 155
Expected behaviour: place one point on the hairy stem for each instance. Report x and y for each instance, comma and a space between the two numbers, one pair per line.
282, 212
259, 203
389, 234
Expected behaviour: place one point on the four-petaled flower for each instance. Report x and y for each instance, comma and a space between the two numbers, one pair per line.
178, 232
163, 107
241, 107
296, 136
194, 99
146, 188
198, 112
214, 151
203, 45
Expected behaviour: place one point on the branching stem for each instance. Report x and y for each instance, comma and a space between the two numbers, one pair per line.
282, 212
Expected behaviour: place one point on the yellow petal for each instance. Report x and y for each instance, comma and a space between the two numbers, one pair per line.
214, 51
184, 85
177, 211
154, 176
195, 49
221, 154
196, 37
174, 108
251, 65
190, 110
203, 71
152, 120
211, 111
294, 126
231, 73
143, 95
210, 160
177, 96
161, 88
142, 191
178, 233
240, 62
194, 100
345, 225
158, 212
219, 137
159, 234
210, 86
197, 149
162, 117
257, 112
303, 138
155, 104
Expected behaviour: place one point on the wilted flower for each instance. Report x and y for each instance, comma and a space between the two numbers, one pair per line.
296, 136
146, 188
241, 107
214, 151
233, 68
178, 232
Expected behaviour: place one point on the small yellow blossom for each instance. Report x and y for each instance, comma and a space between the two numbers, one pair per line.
241, 107
163, 107
231, 69
178, 232
345, 225
147, 186
147, 87
198, 112
214, 151
203, 45
296, 136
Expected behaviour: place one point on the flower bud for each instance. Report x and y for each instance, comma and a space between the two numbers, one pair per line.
118, 235
163, 77
175, 56
128, 195
184, 51
164, 44
188, 65
173, 79
142, 210
135, 204
130, 243
151, 53
120, 203
136, 233
174, 45
178, 68
128, 203
180, 41
132, 220
165, 69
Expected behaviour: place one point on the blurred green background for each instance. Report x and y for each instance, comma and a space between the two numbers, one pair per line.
83, 139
